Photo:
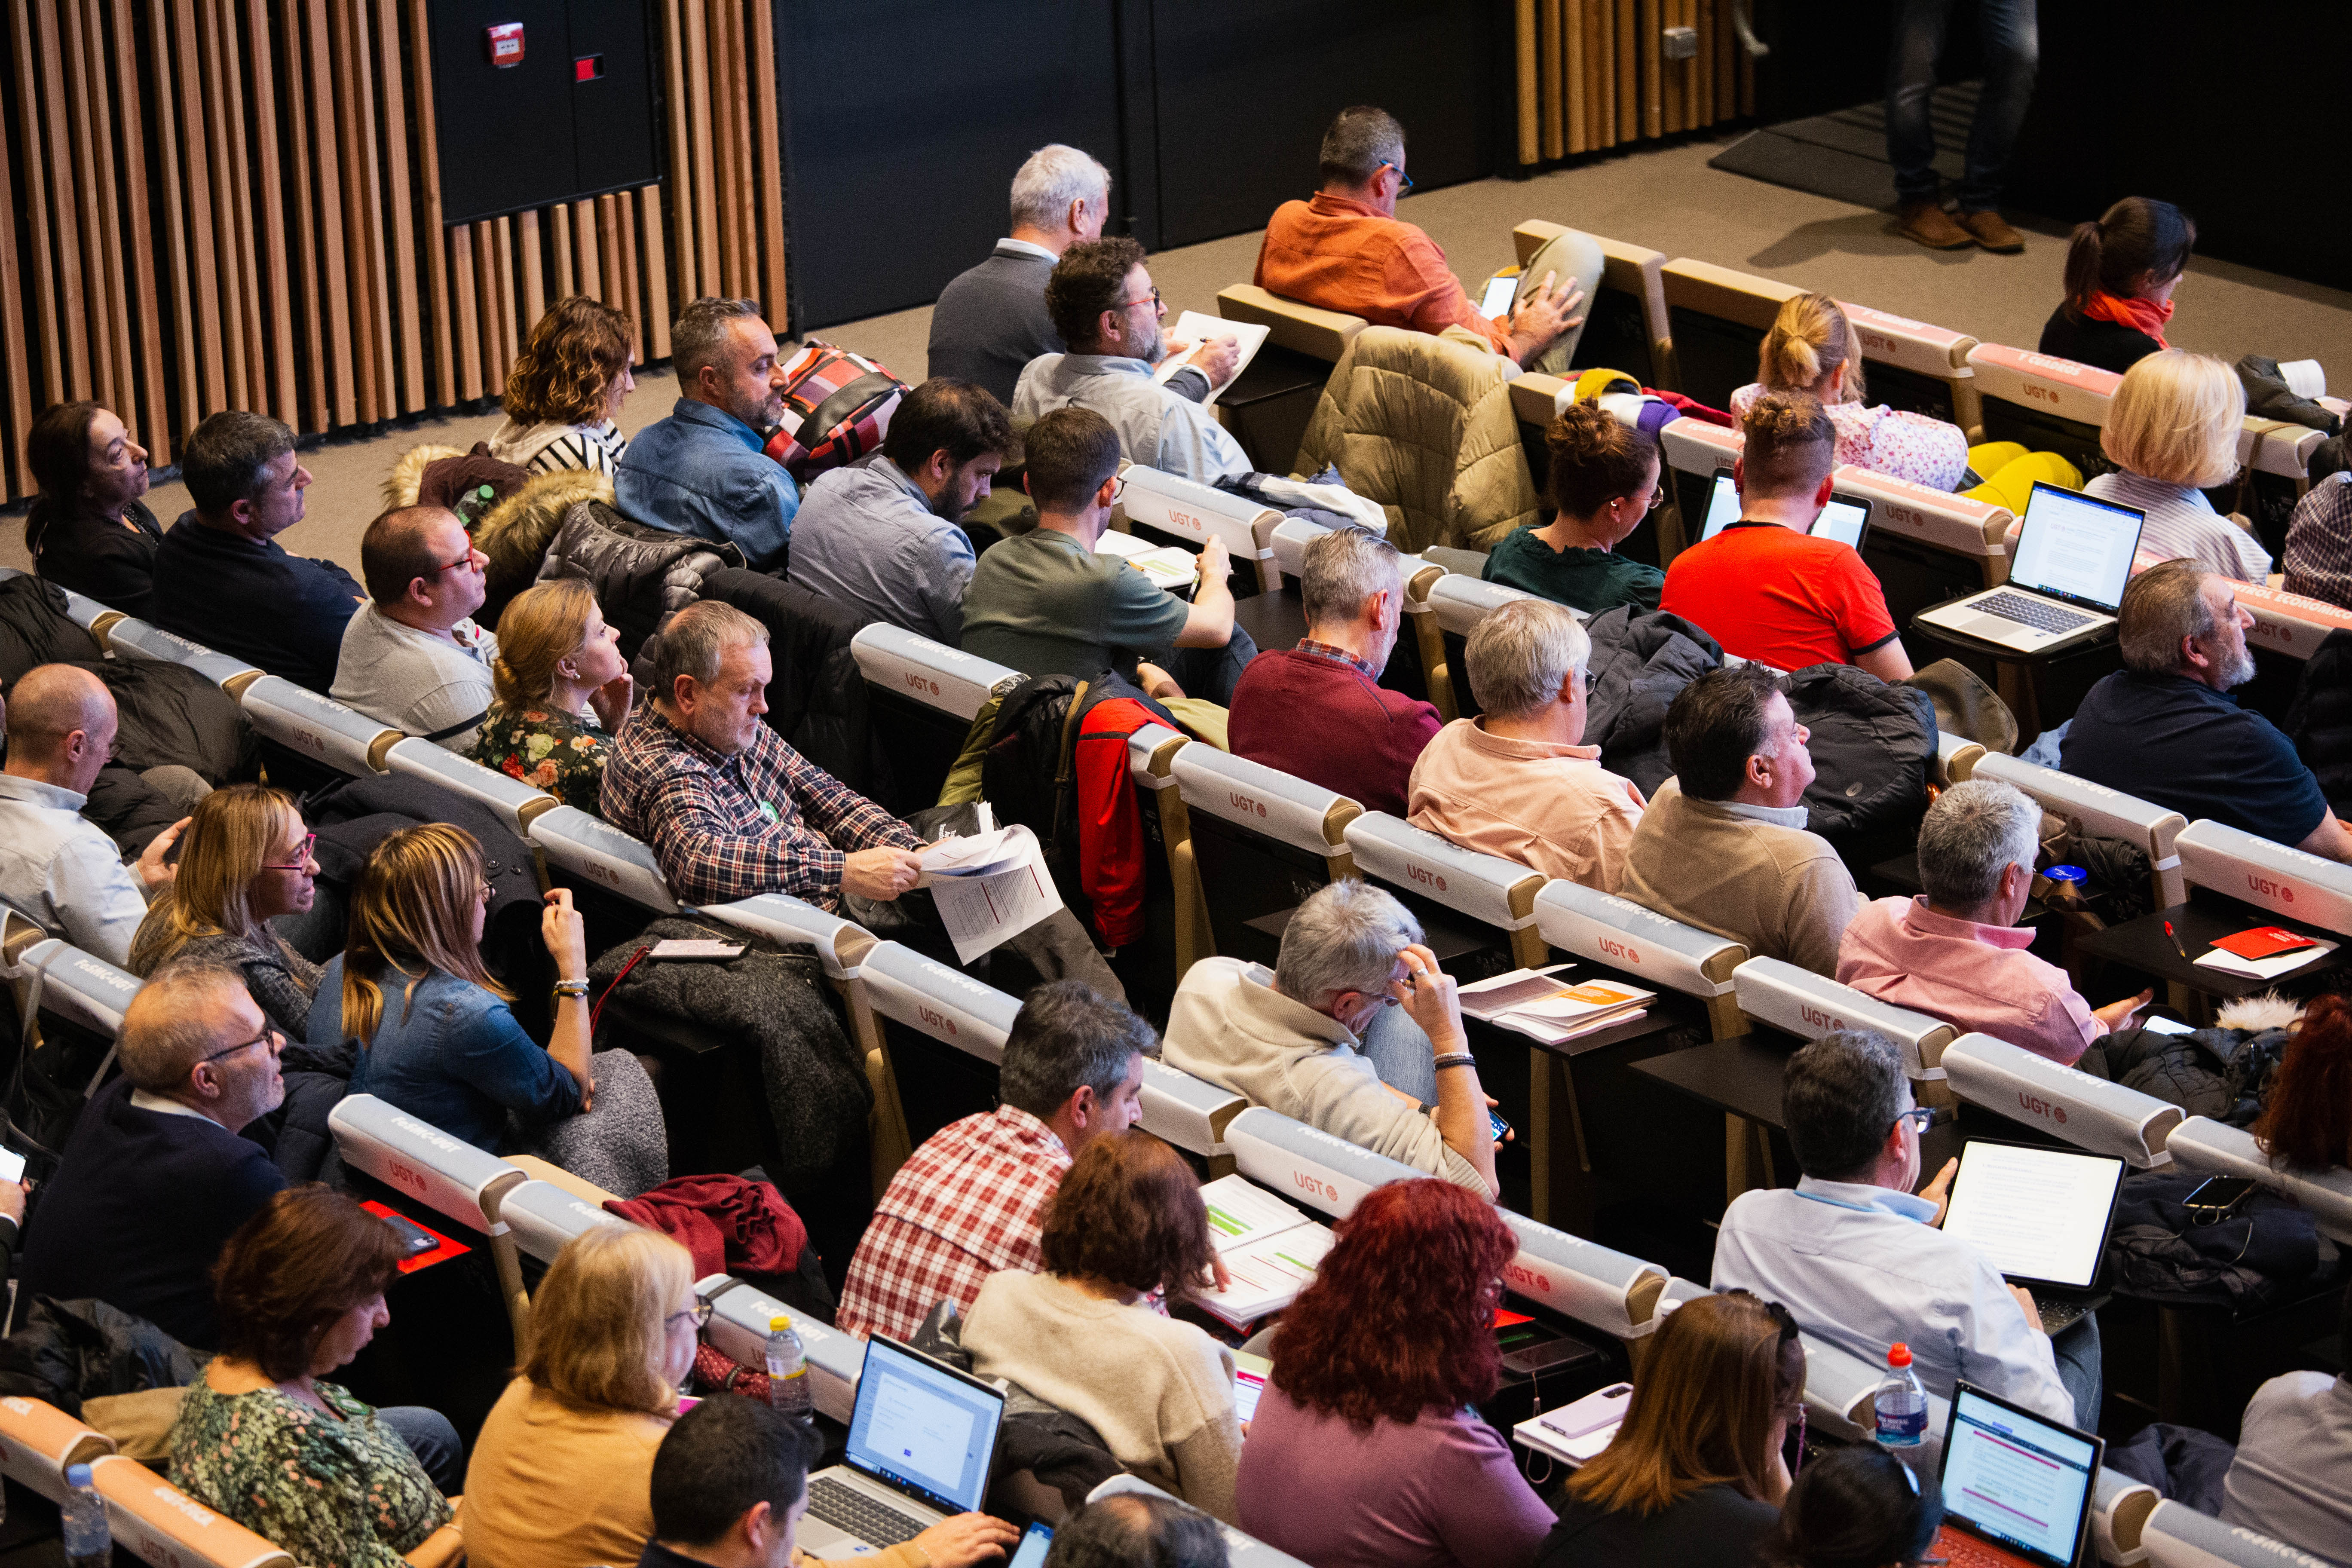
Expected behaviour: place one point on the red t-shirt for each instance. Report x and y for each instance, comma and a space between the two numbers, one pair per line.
1780, 598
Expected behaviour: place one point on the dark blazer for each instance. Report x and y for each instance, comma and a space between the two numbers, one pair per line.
992, 320
139, 1209
97, 556
2110, 345
283, 614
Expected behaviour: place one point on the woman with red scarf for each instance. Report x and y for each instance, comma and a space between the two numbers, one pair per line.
2120, 274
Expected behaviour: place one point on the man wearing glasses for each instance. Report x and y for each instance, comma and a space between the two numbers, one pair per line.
1348, 250
155, 1177
1860, 1260
413, 656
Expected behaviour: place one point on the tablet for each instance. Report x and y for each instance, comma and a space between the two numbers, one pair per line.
1846, 518
2039, 1214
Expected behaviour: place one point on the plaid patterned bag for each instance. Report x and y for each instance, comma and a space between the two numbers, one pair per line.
836, 406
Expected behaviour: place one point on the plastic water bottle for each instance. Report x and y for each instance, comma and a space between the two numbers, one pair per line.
1900, 1403
788, 1384
88, 1544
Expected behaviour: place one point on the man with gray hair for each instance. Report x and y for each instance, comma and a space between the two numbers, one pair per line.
972, 1201
1347, 250
992, 320
1955, 952
703, 471
1859, 1261
2164, 727
1293, 1039
155, 1177
1517, 781
1319, 710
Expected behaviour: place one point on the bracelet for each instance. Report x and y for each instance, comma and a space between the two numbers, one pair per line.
1454, 1060
573, 988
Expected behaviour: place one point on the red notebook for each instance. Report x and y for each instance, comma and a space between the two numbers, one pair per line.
2262, 942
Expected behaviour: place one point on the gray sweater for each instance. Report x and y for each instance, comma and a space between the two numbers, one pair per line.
991, 322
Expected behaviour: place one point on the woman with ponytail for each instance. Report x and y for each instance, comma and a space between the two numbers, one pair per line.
1605, 480
557, 664
1813, 347
2120, 274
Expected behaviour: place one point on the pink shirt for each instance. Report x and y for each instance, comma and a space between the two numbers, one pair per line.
1892, 441
1547, 805
1974, 977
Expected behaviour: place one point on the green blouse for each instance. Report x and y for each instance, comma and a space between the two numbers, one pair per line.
346, 1492
558, 752
1584, 579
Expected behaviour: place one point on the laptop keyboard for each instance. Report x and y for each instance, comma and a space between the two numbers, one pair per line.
2029, 612
2057, 1317
848, 1509
1966, 1552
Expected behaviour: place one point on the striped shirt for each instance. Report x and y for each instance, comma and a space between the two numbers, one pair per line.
2182, 523
546, 448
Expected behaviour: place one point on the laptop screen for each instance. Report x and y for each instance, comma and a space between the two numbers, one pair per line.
2015, 1479
1842, 520
923, 1428
2077, 546
2040, 1216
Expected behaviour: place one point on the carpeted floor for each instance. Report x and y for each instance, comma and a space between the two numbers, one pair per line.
1667, 198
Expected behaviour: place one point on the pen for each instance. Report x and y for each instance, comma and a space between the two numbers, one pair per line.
2176, 942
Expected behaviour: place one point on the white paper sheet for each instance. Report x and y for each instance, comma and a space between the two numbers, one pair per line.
1196, 329
983, 912
1240, 1212
2269, 968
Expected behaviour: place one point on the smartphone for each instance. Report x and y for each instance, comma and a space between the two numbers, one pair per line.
414, 1239
1592, 1412
1500, 1128
2215, 1196
1031, 1553
1500, 292
12, 1165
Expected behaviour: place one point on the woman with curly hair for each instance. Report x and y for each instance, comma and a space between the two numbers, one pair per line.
565, 390
557, 663
1376, 1366
2306, 1120
1605, 479
1126, 1223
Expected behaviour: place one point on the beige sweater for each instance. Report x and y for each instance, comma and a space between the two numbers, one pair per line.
1160, 1392
553, 1485
1781, 890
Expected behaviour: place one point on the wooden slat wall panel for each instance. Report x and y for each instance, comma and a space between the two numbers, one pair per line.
1591, 75
236, 204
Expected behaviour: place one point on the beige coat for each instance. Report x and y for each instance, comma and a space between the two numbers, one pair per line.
1781, 890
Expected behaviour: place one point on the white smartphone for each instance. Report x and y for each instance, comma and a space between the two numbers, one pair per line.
12, 1165
1592, 1412
1500, 292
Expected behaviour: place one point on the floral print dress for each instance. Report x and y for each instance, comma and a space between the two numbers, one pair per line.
547, 749
346, 1493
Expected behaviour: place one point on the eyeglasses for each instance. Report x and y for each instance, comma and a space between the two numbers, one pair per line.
466, 561
1118, 486
1922, 1117
1404, 181
301, 856
482, 891
1154, 301
700, 1313
269, 1038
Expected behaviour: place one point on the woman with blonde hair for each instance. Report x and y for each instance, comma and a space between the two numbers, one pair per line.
556, 662
1812, 347
438, 1041
1696, 1475
2172, 433
566, 388
244, 859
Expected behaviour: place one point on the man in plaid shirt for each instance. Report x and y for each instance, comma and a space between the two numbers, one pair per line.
730, 810
972, 1199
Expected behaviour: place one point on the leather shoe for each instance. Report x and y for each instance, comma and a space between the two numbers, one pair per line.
1992, 231
1926, 221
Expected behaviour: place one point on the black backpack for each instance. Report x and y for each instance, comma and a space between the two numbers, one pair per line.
1029, 772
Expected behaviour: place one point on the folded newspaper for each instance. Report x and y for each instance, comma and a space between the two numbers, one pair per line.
1545, 1006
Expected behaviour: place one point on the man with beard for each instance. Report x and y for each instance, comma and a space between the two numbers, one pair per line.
882, 537
1105, 307
2164, 727
702, 470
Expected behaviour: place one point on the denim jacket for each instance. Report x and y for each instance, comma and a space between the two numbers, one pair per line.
453, 1056
702, 472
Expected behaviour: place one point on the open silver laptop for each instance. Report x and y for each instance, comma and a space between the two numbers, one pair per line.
922, 1439
2074, 556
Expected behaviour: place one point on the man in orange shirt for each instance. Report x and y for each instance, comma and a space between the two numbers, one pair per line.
1348, 250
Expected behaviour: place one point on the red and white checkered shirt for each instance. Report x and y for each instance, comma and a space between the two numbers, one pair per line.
970, 1203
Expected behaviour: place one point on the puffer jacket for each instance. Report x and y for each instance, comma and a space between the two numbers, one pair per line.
642, 575
2320, 720
1872, 744
515, 532
1423, 426
1640, 661
35, 629
169, 715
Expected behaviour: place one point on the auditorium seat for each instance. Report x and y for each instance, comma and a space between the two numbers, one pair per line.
1955, 757
739, 1316
1278, 620
159, 1524
316, 728
446, 1175
930, 1002
1456, 604
38, 1441
1804, 1007
1838, 1389
1244, 1550
2060, 1104
1494, 897
1302, 328
2285, 881
128, 638
1191, 1113
594, 849
1927, 546
2177, 1536
53, 976
2207, 1147
2287, 629
2043, 403
2095, 808
542, 1216
1626, 322
1719, 318
2120, 1505
1691, 450
1259, 841
1168, 508
1645, 948
925, 695
516, 803
1175, 921
1917, 365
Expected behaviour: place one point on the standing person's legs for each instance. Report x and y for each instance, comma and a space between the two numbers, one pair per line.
2012, 50
1917, 41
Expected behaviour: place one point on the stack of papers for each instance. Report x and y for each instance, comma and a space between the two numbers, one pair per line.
2269, 968
1168, 565
1270, 1250
1544, 1005
976, 855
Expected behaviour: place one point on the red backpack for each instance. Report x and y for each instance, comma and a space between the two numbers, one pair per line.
837, 405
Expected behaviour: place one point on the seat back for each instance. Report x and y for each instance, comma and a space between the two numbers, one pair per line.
931, 999
543, 1217
76, 986
592, 847
1302, 328
840, 945
2178, 1536
1692, 450
2216, 1148
1320, 1169
1492, 893
38, 1441
925, 695
1626, 322
2120, 1505
2095, 808
1190, 513
1261, 843
1838, 1386
1956, 757
1808, 1006
1926, 546
1455, 604
515, 802
2288, 622
1621, 935
325, 732
164, 1526
2268, 876
2045, 403
1915, 365
2065, 1102
1719, 318
738, 1328
447, 1174
128, 638
1187, 1111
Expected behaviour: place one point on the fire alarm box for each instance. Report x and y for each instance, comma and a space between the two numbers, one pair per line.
569, 117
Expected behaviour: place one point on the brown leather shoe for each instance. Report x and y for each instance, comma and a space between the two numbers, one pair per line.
1992, 232
1926, 221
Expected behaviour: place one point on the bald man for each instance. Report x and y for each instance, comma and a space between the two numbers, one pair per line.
413, 658
57, 868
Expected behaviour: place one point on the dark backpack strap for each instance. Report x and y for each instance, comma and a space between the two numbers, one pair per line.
458, 729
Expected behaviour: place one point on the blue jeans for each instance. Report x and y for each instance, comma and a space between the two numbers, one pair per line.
434, 1441
1399, 1051
2078, 1350
2011, 49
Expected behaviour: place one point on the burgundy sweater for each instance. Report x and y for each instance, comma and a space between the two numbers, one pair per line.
1329, 723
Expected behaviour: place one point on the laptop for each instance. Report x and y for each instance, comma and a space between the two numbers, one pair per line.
2074, 556
922, 1439
1846, 518
2018, 1486
2041, 1215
